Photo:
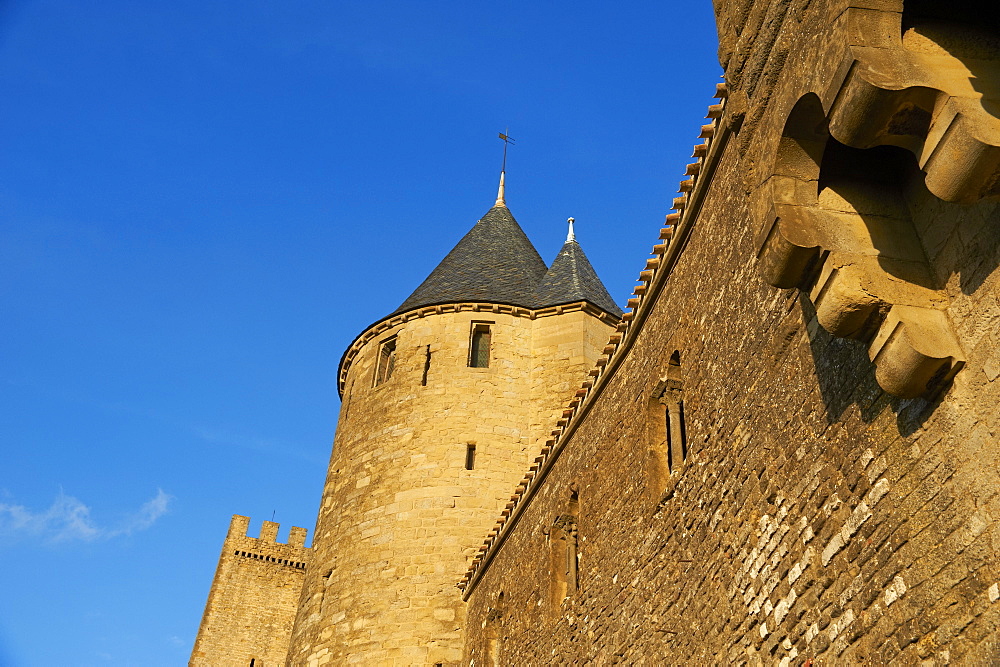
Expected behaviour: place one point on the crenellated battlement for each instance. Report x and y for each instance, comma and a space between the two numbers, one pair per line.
252, 602
265, 548
239, 526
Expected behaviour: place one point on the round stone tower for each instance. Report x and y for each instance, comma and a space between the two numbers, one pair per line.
445, 403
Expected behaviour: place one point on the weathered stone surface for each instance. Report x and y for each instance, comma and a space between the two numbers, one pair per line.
817, 517
253, 598
401, 515
799, 469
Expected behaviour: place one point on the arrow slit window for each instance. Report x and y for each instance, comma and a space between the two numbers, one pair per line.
564, 555
668, 447
675, 428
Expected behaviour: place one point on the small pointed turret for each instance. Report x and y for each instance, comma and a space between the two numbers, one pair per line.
496, 263
500, 193
572, 278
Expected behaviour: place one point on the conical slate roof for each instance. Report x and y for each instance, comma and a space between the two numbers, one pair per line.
495, 262
572, 279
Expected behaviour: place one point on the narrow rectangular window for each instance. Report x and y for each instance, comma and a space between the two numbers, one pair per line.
684, 439
671, 464
562, 560
479, 346
470, 457
676, 435
386, 361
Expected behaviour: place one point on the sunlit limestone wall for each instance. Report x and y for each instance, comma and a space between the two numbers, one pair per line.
564, 349
817, 518
401, 514
252, 602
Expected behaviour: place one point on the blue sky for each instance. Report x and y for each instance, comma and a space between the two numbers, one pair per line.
202, 204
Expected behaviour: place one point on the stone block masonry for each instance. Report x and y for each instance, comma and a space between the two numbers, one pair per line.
785, 453
445, 402
818, 518
252, 602
404, 506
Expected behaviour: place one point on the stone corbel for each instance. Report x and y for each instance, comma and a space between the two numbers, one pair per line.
787, 246
934, 91
844, 299
926, 91
915, 351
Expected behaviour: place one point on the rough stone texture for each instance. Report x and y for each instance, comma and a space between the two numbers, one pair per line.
401, 515
812, 517
252, 602
817, 517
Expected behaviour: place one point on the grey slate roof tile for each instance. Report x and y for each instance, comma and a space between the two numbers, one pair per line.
572, 278
495, 262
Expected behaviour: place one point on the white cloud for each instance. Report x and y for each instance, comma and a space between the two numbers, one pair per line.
147, 515
68, 519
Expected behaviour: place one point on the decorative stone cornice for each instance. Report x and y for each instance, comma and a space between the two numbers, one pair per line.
923, 89
380, 327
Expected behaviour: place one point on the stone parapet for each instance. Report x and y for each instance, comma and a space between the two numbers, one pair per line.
252, 602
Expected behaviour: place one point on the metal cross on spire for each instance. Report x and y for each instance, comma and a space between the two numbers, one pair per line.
503, 169
506, 140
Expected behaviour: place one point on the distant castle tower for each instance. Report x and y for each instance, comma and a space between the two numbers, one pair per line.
248, 617
445, 402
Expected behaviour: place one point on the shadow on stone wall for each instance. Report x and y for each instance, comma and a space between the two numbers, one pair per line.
846, 377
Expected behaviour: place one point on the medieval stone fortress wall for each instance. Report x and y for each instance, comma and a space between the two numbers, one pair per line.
423, 462
446, 401
833, 496
785, 451
253, 599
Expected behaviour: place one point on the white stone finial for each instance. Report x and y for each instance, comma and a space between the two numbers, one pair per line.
571, 236
500, 199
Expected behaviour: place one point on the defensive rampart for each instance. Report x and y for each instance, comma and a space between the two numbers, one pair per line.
251, 604
789, 453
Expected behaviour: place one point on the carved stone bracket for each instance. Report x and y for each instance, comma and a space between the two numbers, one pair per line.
934, 89
915, 348
892, 107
